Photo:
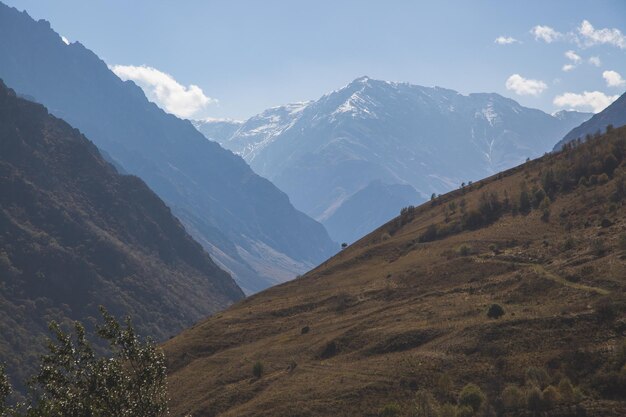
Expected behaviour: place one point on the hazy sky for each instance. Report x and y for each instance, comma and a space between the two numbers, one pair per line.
245, 56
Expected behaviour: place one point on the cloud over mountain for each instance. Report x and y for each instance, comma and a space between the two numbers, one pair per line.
165, 91
613, 79
524, 86
588, 100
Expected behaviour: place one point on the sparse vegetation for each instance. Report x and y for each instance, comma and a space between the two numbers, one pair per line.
465, 250
5, 391
257, 370
390, 410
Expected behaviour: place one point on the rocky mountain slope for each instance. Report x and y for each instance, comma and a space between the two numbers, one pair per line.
245, 222
614, 115
433, 139
515, 284
75, 234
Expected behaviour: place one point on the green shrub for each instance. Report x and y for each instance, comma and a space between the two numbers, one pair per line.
465, 411
622, 241
448, 410
444, 386
606, 309
429, 234
257, 369
537, 377
566, 389
551, 397
495, 311
472, 220
465, 250
5, 391
390, 410
471, 395
538, 196
513, 397
489, 206
534, 400
524, 201
597, 247
425, 404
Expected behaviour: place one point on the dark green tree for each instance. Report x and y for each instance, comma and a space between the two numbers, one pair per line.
74, 381
524, 200
257, 369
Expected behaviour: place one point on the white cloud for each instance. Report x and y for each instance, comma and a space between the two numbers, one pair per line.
568, 67
505, 40
595, 60
545, 33
573, 56
613, 79
525, 87
591, 36
165, 91
595, 101
65, 40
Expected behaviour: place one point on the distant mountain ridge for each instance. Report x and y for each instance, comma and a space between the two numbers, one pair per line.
614, 114
244, 221
75, 234
433, 139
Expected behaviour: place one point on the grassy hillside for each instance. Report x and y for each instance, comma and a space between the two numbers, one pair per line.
74, 234
400, 320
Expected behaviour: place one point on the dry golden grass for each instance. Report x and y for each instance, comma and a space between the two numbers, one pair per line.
389, 315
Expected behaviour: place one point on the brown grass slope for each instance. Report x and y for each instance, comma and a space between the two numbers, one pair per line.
407, 304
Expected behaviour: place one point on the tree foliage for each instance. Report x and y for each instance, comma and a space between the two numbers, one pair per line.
75, 381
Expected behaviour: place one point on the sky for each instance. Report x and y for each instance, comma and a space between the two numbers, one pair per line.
235, 58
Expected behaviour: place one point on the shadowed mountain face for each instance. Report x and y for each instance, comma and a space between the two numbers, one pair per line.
75, 234
321, 153
244, 221
481, 285
614, 115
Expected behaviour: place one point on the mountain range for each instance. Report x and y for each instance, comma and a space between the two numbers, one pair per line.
246, 223
614, 114
75, 234
321, 153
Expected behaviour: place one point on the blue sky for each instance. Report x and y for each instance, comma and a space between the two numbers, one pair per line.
246, 56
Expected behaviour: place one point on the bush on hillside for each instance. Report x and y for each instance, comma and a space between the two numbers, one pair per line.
495, 311
534, 400
390, 410
537, 377
257, 369
512, 397
472, 396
